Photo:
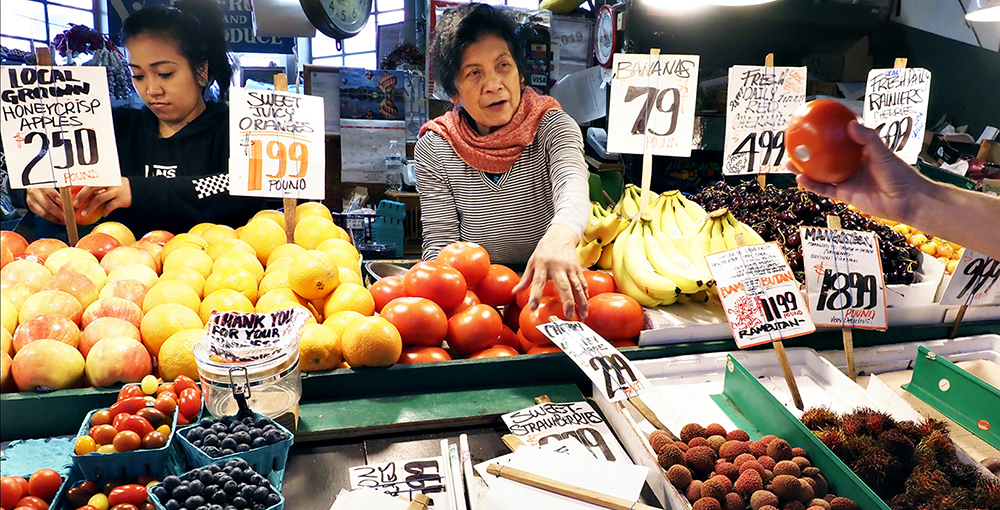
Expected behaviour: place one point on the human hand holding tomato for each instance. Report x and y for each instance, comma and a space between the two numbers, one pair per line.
102, 201
555, 259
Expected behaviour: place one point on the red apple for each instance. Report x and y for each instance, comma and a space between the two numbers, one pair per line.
47, 325
159, 237
117, 359
30, 274
13, 240
29, 257
51, 301
88, 268
47, 364
106, 327
42, 248
16, 293
6, 256
90, 218
113, 307
128, 255
6, 382
132, 290
98, 243
152, 248
75, 284
58, 258
118, 231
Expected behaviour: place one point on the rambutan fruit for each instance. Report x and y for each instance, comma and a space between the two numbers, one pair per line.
748, 483
786, 487
715, 442
700, 459
767, 462
691, 431
707, 504
833, 440
762, 498
670, 455
929, 425
819, 418
679, 476
737, 435
734, 502
853, 425
731, 449
841, 503
658, 439
779, 450
787, 467
714, 429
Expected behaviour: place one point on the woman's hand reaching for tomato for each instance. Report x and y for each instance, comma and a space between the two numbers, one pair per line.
555, 259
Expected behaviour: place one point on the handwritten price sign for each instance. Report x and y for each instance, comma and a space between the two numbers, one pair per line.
844, 279
276, 145
56, 127
896, 106
406, 478
759, 294
652, 104
551, 422
974, 281
760, 102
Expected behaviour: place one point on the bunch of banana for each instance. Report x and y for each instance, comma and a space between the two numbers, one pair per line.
602, 230
679, 218
718, 233
628, 204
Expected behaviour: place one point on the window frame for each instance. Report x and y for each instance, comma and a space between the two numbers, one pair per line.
52, 29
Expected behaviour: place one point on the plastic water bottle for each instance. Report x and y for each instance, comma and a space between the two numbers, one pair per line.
394, 167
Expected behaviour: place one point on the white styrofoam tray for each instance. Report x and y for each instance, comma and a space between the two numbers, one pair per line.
895, 357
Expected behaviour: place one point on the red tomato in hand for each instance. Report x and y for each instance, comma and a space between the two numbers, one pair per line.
818, 144
598, 282
473, 329
10, 491
470, 299
423, 354
548, 291
497, 351
44, 484
387, 289
496, 289
615, 316
420, 321
530, 319
438, 282
469, 258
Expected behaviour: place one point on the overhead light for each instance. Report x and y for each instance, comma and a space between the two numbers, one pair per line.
676, 6
983, 10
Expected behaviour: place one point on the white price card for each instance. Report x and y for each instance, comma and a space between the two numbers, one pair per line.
242, 337
759, 102
276, 146
759, 294
56, 127
652, 104
407, 478
546, 423
974, 281
896, 106
844, 281
611, 372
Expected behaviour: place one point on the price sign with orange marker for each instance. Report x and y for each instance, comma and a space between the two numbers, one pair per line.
276, 145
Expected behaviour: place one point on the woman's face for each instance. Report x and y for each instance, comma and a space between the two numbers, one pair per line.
488, 83
165, 81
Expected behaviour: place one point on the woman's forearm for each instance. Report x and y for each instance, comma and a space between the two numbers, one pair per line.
968, 218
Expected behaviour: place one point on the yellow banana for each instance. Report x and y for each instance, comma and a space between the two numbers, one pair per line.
718, 242
686, 278
685, 223
729, 231
605, 231
641, 270
694, 210
588, 253
700, 297
668, 220
619, 273
701, 246
604, 261
750, 236
630, 205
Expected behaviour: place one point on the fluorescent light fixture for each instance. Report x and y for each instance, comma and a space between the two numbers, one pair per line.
677, 6
983, 10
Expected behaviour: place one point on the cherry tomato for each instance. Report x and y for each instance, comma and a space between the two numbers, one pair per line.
130, 405
385, 290
154, 416
91, 487
131, 493
126, 441
88, 507
106, 448
469, 258
85, 445
530, 319
10, 491
130, 390
497, 351
598, 282
165, 387
44, 484
548, 291
144, 480
473, 329
544, 349
470, 299
818, 143
497, 288
23, 483
183, 420
165, 405
438, 282
125, 506
168, 394
154, 440
102, 417
507, 337
189, 404
119, 420
111, 484
137, 424
423, 354
183, 382
420, 321
164, 429
77, 497
615, 316
104, 434
32, 502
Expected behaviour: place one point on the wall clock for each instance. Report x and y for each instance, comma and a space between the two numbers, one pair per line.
339, 19
605, 38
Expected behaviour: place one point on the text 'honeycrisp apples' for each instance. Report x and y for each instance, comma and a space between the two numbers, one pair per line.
242, 337
652, 104
759, 294
896, 106
276, 146
844, 280
613, 373
56, 127
760, 101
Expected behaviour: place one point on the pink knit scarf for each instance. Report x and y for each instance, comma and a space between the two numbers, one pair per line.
496, 152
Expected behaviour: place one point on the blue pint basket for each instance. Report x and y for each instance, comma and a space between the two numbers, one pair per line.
105, 466
220, 461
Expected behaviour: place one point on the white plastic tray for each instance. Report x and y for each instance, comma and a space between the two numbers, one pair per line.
890, 358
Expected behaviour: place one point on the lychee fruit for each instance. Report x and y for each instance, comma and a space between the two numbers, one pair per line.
731, 449
715, 442
768, 438
698, 441
748, 483
743, 457
816, 507
810, 471
787, 467
757, 448
768, 476
682, 445
779, 450
727, 469
806, 492
820, 502
786, 487
691, 431
658, 439
737, 435
679, 476
706, 504
767, 462
793, 505
734, 502
714, 429
693, 491
799, 452
822, 486
669, 456
701, 459
768, 507
751, 464
716, 487
763, 498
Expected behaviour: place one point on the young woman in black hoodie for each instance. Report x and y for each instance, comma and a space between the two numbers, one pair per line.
174, 153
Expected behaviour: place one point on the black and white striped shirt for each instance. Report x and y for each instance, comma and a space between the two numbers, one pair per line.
547, 185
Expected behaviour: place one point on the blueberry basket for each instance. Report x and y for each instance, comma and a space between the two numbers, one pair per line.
189, 475
267, 460
105, 466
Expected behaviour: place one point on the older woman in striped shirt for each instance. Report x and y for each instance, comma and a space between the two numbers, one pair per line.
505, 168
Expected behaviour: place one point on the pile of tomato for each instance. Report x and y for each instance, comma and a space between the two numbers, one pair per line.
461, 298
35, 493
115, 494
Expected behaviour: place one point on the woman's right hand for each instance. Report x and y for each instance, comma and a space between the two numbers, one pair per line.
45, 203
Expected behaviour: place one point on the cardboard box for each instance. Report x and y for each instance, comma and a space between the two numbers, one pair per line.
843, 60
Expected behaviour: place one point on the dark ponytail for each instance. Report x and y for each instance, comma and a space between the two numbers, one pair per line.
197, 27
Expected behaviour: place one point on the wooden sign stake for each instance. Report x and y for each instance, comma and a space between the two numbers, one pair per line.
900, 63
762, 178
779, 350
647, 156
833, 221
289, 204
43, 58
564, 489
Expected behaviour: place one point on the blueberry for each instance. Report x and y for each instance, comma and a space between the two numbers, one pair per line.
255, 433
226, 420
206, 477
219, 427
249, 420
193, 502
206, 422
272, 436
246, 492
239, 502
258, 442
230, 507
259, 506
214, 468
219, 498
242, 437
242, 464
229, 443
195, 433
161, 492
212, 451
272, 499
210, 440
242, 447
269, 426
228, 451
196, 487
263, 421
180, 493
215, 506
260, 494
197, 444
231, 487
170, 482
256, 479
224, 479
172, 504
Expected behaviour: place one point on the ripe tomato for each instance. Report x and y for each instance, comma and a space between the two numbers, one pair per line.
548, 291
44, 484
130, 390
512, 316
129, 406
469, 258
119, 420
420, 321
136, 424
470, 299
530, 319
131, 493
102, 417
166, 405
818, 143
85, 445
10, 491
544, 349
165, 387
495, 289
189, 403
103, 434
126, 441
183, 382
523, 345
438, 282
473, 329
423, 354
32, 502
507, 337
497, 351
385, 290
615, 316
154, 440
598, 282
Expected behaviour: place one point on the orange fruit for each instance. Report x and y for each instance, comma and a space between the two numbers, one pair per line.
181, 240
171, 291
349, 296
339, 244
224, 300
176, 356
273, 280
312, 209
239, 259
217, 233
232, 277
313, 274
285, 250
340, 320
218, 248
188, 257
189, 277
313, 230
319, 348
267, 300
371, 342
264, 235
200, 229
163, 321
